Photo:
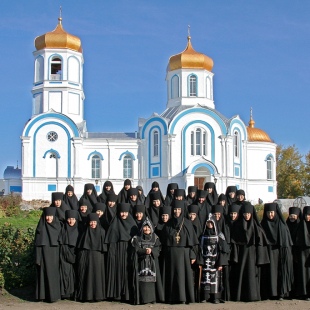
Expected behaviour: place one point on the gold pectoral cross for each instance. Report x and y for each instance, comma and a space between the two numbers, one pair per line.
177, 237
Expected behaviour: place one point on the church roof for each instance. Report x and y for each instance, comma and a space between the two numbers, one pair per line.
12, 173
58, 38
256, 134
112, 135
190, 59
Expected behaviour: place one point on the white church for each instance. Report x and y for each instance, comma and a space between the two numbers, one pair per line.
189, 143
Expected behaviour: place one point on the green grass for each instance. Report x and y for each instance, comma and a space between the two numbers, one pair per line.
24, 220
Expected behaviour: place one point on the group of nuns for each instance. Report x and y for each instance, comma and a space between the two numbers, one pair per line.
177, 248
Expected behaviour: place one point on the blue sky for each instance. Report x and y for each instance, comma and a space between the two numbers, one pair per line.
260, 49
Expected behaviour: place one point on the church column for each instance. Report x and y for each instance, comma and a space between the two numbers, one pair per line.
77, 145
26, 157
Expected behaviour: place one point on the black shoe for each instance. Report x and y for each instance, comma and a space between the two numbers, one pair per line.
216, 301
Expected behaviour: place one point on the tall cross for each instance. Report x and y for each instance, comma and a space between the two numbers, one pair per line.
188, 30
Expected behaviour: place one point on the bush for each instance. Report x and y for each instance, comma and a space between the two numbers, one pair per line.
9, 205
17, 256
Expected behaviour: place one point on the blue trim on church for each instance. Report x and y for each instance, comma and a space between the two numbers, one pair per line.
51, 151
198, 110
154, 168
237, 121
68, 145
208, 166
62, 117
154, 119
95, 153
127, 153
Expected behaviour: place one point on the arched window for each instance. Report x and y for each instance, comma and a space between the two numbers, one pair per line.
155, 143
56, 69
199, 142
127, 167
192, 86
95, 167
269, 168
236, 144
175, 87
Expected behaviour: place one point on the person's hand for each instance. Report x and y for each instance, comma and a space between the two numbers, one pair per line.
148, 251
220, 268
193, 261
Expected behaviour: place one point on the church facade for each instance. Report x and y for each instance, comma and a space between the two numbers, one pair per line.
188, 143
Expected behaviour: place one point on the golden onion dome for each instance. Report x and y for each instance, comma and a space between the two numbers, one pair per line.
190, 59
58, 38
256, 134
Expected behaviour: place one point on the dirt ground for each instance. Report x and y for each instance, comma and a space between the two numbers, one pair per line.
23, 301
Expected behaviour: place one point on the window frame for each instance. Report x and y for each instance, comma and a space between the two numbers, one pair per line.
95, 171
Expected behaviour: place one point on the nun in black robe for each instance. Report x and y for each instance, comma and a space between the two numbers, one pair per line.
141, 195
123, 194
139, 215
61, 206
155, 205
91, 280
147, 277
70, 198
248, 253
133, 198
204, 208
47, 237
170, 193
68, 241
111, 204
118, 239
84, 209
302, 281
191, 194
90, 194
106, 190
212, 196
277, 277
193, 217
231, 194
222, 201
155, 188
181, 243
100, 209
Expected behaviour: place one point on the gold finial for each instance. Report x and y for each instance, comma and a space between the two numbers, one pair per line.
251, 122
188, 32
60, 14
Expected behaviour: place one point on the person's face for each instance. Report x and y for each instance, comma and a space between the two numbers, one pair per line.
217, 215
140, 192
83, 209
71, 221
127, 187
133, 197
192, 216
155, 189
192, 194
233, 215
201, 199
108, 188
111, 204
209, 224
307, 217
293, 217
240, 197
69, 193
93, 224
57, 203
177, 212
124, 215
89, 191
222, 203
232, 194
99, 212
172, 191
146, 229
209, 190
270, 214
49, 219
165, 217
156, 203
139, 216
179, 198
247, 216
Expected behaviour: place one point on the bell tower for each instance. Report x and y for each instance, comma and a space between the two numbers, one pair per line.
58, 74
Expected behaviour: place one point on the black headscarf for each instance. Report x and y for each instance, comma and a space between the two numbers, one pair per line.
293, 226
69, 234
72, 201
92, 198
48, 234
231, 189
303, 231
60, 211
191, 189
212, 198
120, 229
93, 238
103, 196
110, 211
123, 194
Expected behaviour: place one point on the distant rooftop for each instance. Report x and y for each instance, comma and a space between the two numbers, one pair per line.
12, 173
112, 135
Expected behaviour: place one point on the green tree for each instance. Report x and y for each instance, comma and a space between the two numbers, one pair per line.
291, 172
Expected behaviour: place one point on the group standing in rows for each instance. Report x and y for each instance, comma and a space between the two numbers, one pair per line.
175, 248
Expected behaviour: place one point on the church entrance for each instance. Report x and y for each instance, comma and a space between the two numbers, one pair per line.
202, 175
